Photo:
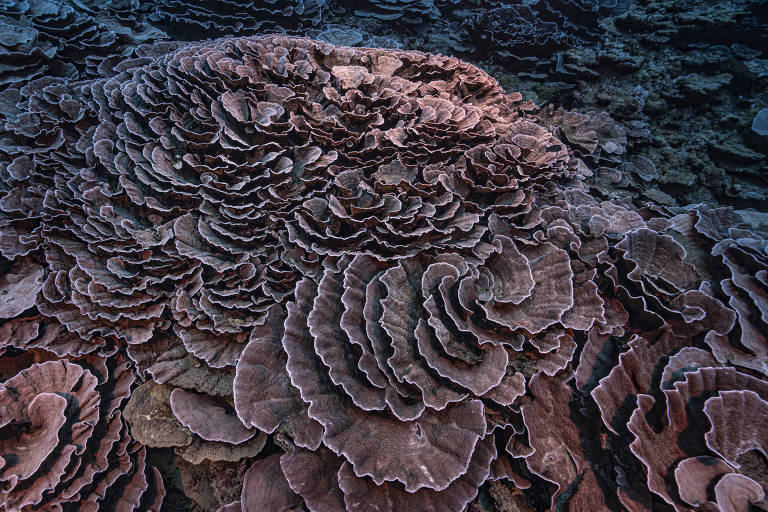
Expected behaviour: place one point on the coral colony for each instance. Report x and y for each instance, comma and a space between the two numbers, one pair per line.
267, 273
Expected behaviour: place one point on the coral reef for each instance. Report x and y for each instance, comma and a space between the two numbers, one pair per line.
398, 11
276, 273
684, 79
67, 39
201, 19
522, 29
65, 442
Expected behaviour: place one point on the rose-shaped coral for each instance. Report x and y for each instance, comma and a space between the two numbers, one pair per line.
64, 440
383, 263
197, 19
397, 11
205, 215
67, 39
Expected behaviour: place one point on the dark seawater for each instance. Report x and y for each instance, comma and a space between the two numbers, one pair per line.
154, 268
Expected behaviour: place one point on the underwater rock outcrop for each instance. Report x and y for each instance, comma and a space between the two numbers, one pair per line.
410, 282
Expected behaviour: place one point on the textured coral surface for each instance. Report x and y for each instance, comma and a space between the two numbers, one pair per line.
272, 273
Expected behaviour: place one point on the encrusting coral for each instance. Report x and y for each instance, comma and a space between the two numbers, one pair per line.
377, 259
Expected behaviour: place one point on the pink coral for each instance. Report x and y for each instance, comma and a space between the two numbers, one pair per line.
63, 432
383, 262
